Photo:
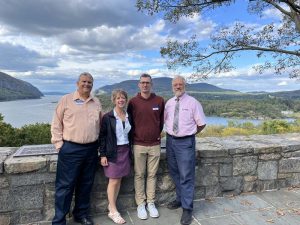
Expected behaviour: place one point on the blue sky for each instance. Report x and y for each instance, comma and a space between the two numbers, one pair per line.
49, 43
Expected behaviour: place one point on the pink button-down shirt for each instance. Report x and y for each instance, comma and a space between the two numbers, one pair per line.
76, 120
191, 115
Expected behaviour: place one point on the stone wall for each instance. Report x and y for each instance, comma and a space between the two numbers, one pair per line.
225, 166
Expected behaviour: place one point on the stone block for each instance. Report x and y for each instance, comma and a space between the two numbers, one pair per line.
225, 170
127, 185
291, 147
3, 182
264, 185
2, 158
294, 180
267, 148
49, 201
52, 161
249, 186
162, 198
216, 160
272, 156
163, 167
250, 178
284, 175
24, 164
240, 151
27, 197
5, 200
291, 165
214, 153
27, 216
267, 170
231, 184
7, 150
213, 191
244, 165
290, 154
207, 175
165, 183
199, 193
34, 178
283, 183
4, 219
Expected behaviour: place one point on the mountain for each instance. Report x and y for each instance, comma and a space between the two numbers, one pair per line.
161, 86
12, 89
287, 94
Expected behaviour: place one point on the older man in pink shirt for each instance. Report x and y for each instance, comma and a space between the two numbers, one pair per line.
184, 118
75, 130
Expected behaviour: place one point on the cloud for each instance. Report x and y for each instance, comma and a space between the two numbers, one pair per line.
52, 17
283, 83
273, 13
19, 58
191, 25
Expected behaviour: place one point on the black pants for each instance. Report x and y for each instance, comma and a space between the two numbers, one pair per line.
76, 167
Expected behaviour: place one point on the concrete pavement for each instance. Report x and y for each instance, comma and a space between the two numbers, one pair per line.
280, 207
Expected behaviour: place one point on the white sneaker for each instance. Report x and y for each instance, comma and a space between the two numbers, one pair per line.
152, 210
141, 212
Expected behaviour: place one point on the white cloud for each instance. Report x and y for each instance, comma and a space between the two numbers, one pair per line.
283, 83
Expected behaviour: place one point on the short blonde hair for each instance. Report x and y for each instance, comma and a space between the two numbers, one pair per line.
117, 92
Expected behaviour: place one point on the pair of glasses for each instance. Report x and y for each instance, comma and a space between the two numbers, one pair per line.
145, 82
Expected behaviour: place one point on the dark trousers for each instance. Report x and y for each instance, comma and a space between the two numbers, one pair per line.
76, 167
181, 165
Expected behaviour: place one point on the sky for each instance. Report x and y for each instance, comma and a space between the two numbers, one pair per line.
49, 43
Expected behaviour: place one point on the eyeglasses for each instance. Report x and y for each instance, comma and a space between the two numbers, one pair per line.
143, 82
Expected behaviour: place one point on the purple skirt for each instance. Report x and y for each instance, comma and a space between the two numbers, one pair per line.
121, 167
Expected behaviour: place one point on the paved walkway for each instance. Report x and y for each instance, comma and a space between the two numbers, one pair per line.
268, 208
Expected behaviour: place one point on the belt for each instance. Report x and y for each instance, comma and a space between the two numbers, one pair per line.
175, 137
84, 144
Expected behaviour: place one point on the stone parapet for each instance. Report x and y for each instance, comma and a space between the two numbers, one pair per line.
225, 166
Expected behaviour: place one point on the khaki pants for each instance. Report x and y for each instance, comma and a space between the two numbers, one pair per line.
146, 158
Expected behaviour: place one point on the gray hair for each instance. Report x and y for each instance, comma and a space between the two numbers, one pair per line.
86, 74
179, 77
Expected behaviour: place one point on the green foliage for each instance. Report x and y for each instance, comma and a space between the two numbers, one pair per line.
275, 127
33, 134
248, 128
38, 133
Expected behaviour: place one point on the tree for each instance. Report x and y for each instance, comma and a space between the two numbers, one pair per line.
278, 40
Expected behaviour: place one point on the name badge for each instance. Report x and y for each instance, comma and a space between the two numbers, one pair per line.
155, 108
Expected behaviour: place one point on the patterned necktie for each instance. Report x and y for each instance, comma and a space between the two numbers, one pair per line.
176, 117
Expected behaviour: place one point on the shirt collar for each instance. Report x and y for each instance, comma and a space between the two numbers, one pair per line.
116, 115
180, 97
77, 96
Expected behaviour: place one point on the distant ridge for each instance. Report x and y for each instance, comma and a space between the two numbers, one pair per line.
13, 89
161, 85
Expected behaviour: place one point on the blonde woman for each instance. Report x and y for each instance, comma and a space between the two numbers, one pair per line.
115, 150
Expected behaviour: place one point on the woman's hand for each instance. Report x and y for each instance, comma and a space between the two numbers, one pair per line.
103, 161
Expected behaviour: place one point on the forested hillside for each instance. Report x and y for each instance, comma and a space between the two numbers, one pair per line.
12, 89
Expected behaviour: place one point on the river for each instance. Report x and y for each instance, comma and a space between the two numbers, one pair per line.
30, 111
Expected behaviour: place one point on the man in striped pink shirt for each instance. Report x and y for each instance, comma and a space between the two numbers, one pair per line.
184, 117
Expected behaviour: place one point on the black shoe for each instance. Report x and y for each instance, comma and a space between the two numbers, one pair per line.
174, 205
186, 218
84, 221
